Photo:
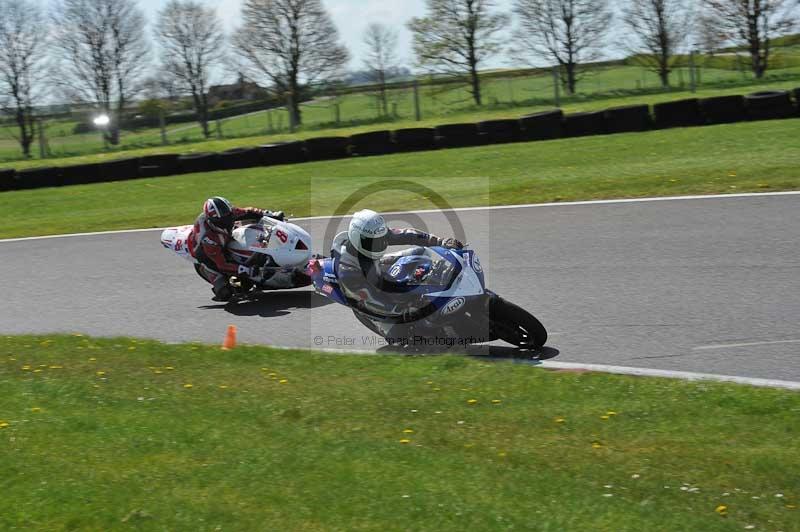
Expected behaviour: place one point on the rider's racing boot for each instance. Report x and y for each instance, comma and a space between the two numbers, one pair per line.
222, 290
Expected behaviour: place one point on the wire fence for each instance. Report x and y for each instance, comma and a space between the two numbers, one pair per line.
425, 99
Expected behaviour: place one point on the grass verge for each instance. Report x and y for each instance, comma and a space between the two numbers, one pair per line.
119, 434
756, 156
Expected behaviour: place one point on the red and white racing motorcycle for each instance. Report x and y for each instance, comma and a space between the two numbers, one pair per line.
279, 250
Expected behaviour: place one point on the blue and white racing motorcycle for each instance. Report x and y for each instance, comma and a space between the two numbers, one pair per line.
434, 298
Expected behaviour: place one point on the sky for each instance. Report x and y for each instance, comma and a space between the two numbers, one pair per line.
351, 18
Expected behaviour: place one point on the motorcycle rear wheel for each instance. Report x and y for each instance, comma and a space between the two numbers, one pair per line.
515, 325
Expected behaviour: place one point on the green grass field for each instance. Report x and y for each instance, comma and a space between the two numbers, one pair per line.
123, 434
754, 156
508, 97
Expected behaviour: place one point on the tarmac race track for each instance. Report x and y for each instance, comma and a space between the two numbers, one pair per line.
705, 285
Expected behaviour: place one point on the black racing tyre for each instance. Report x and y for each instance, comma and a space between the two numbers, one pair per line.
514, 324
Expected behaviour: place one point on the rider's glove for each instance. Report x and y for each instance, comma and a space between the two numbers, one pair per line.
278, 215
452, 243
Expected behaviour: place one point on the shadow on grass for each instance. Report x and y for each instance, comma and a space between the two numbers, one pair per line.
272, 304
497, 352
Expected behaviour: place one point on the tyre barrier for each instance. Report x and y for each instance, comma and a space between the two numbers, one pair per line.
239, 158
628, 118
37, 178
158, 165
797, 99
327, 148
678, 113
415, 139
769, 105
283, 153
542, 126
458, 135
81, 174
372, 143
584, 124
500, 131
723, 109
198, 162
119, 170
7, 181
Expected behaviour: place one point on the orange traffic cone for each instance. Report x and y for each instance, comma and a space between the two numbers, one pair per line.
230, 338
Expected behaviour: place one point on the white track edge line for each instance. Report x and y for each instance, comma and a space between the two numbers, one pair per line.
603, 368
683, 375
457, 209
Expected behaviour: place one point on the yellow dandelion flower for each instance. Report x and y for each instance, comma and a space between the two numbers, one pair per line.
721, 510
170, 368
560, 420
495, 401
436, 389
405, 440
283, 381
273, 375
223, 386
603, 417
597, 445
187, 385
264, 369
25, 367
611, 413
92, 359
36, 409
3, 424
77, 335
100, 373
55, 367
157, 371
429, 382
409, 431
472, 401
37, 370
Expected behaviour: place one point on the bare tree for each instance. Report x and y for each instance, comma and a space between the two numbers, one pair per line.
290, 43
755, 23
161, 86
22, 31
708, 34
456, 36
659, 28
103, 52
192, 42
567, 32
381, 43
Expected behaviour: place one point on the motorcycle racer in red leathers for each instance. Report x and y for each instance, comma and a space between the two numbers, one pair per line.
209, 237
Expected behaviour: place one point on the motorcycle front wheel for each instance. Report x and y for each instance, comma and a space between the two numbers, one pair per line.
515, 325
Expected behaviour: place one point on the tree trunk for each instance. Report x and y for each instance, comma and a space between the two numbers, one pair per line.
382, 77
663, 74
475, 82
294, 101
201, 108
25, 132
572, 78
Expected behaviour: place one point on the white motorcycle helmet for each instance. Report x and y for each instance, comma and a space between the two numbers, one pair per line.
368, 233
